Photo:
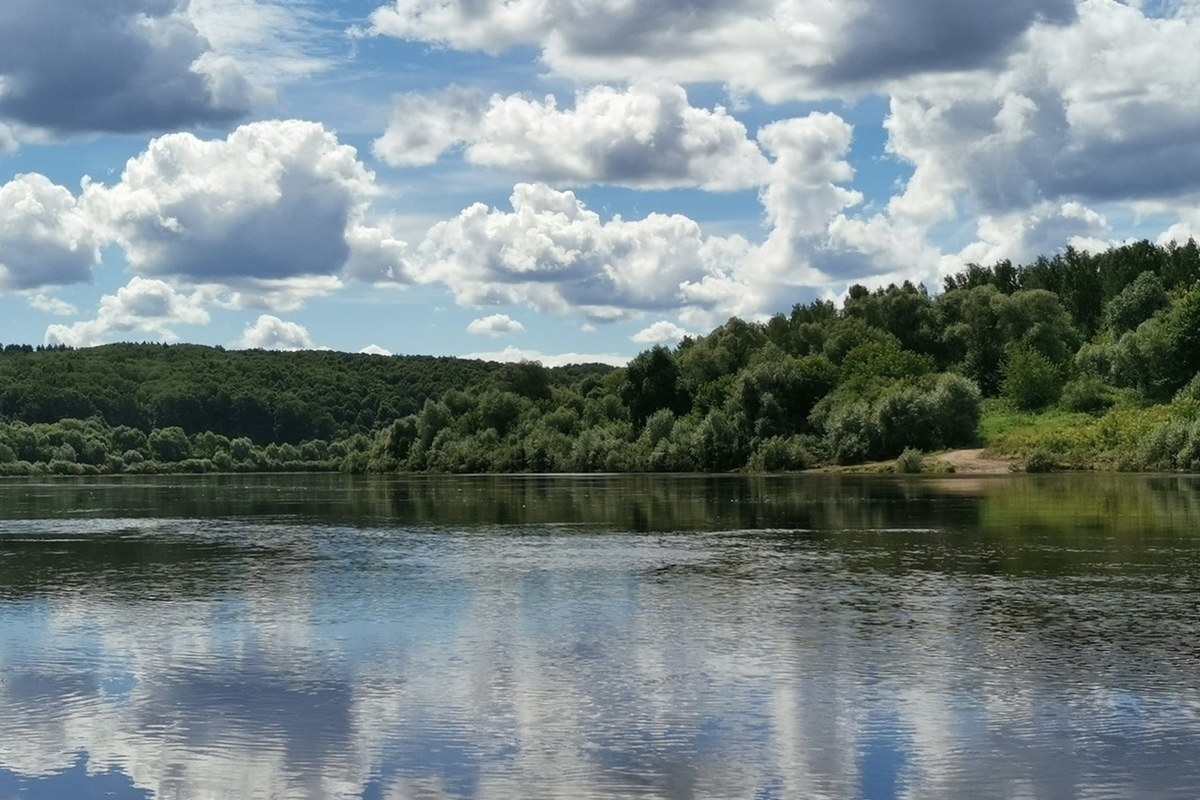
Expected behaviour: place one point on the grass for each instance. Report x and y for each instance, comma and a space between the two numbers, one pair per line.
1076, 440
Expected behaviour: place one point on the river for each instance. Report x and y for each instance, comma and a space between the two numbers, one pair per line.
871, 637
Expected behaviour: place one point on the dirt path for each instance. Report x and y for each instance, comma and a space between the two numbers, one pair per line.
974, 462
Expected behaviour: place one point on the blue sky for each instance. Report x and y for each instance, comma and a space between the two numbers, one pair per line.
561, 179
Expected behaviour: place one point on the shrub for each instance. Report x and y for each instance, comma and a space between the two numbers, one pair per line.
1030, 380
782, 453
1040, 460
905, 418
852, 434
1086, 394
956, 406
911, 461
170, 444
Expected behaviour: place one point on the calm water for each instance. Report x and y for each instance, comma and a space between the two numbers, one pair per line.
645, 637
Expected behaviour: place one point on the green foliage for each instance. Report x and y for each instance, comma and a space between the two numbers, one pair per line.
1135, 304
850, 333
169, 444
1040, 460
652, 382
890, 373
776, 397
264, 396
528, 379
1163, 354
941, 412
884, 358
1087, 394
1031, 380
780, 453
911, 461
852, 434
956, 408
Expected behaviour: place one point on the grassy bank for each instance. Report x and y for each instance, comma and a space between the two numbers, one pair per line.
1126, 437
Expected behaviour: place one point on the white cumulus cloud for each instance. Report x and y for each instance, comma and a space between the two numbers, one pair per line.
553, 253
1099, 112
8, 140
646, 136
495, 325
375, 350
46, 238
51, 305
71, 66
271, 333
145, 308
661, 332
274, 210
781, 49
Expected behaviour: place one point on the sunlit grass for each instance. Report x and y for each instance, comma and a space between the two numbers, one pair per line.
1077, 440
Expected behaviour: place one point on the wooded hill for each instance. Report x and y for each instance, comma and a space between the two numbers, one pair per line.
1106, 346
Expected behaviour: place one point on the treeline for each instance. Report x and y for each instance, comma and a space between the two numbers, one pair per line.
265, 396
1111, 338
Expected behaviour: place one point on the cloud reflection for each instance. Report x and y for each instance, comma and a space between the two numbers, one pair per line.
339, 661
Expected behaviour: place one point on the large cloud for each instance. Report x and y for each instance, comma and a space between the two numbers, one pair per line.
553, 253
646, 136
1102, 111
46, 239
1097, 115
778, 48
112, 65
274, 210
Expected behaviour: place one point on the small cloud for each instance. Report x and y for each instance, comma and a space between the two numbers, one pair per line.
375, 350
660, 332
8, 140
272, 333
145, 307
516, 354
52, 305
495, 325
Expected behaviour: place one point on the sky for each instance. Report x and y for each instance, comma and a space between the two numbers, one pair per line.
562, 180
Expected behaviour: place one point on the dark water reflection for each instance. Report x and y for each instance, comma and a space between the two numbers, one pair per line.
645, 637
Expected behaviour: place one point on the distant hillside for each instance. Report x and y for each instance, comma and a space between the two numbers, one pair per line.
266, 396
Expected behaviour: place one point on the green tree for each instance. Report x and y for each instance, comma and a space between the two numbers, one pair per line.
652, 383
1031, 380
1135, 304
169, 445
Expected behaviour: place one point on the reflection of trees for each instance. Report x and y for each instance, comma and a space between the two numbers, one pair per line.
481, 636
134, 563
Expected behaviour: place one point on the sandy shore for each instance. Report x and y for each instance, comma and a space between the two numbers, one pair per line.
974, 462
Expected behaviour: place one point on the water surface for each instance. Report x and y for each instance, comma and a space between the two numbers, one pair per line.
600, 637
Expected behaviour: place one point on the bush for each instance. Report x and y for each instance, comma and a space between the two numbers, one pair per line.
911, 461
1030, 380
956, 406
852, 434
1086, 394
904, 418
1040, 460
782, 453
170, 444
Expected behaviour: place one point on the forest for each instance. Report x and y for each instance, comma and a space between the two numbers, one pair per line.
1078, 360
